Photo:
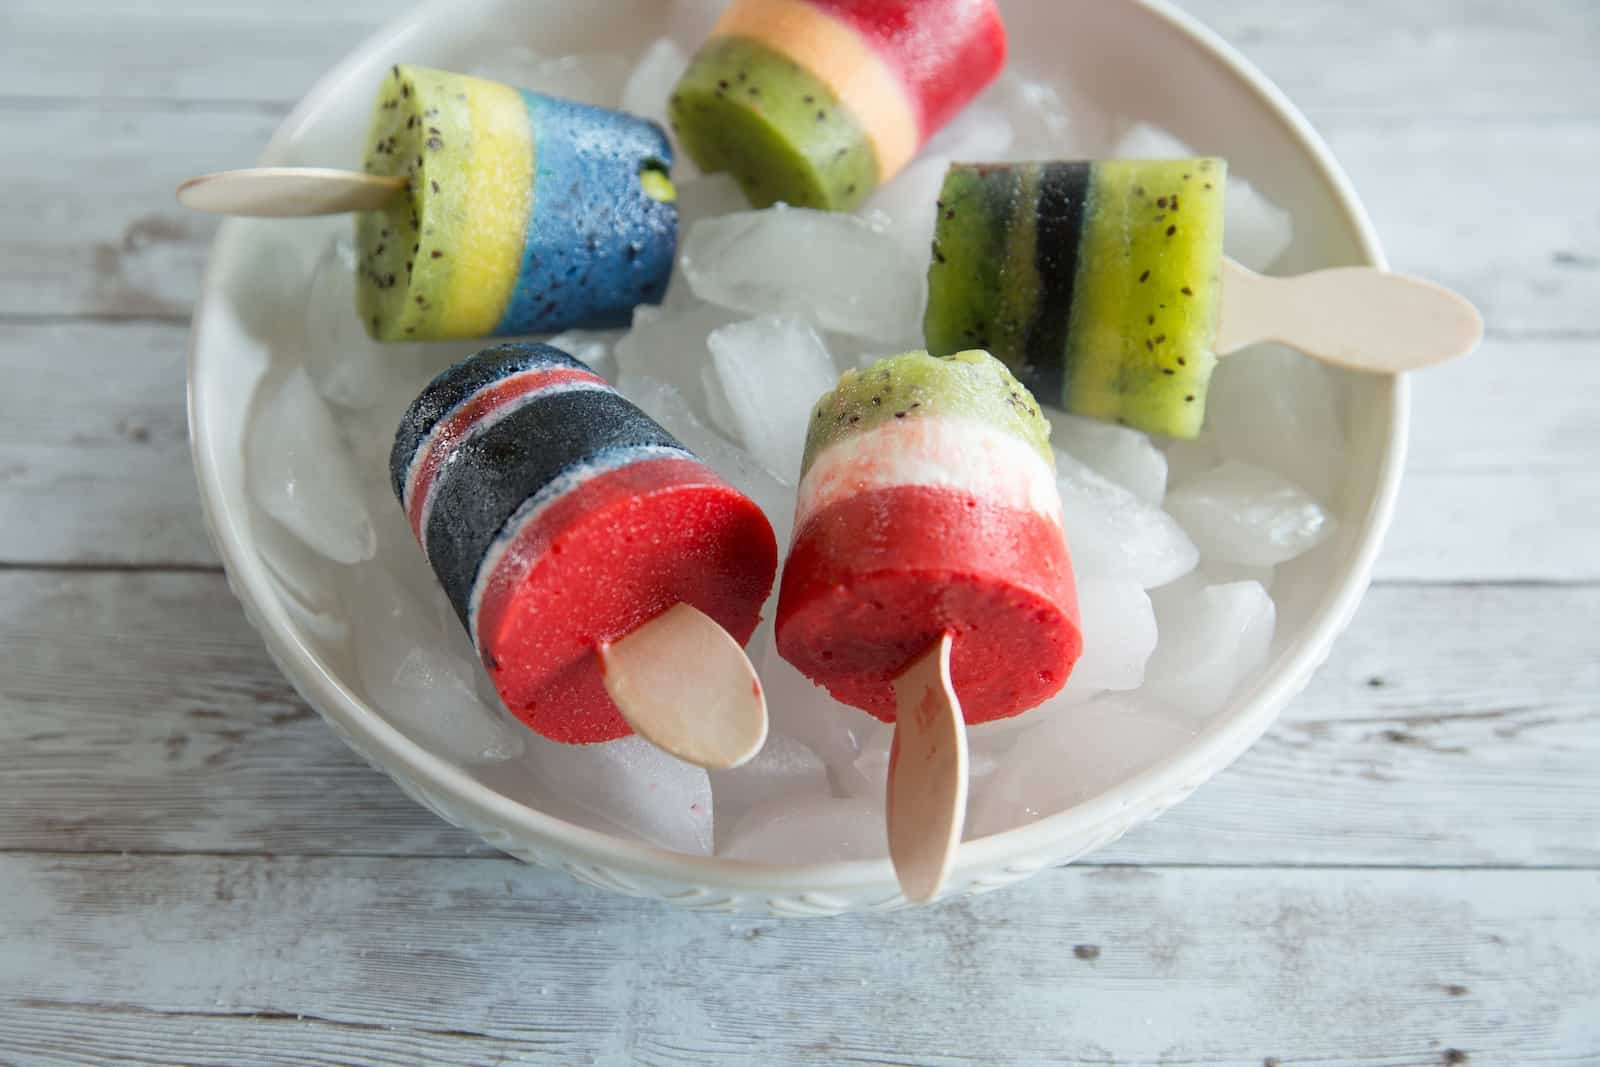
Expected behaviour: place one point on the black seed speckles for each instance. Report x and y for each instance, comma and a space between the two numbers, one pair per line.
1189, 399
436, 254
1186, 291
1161, 203
1144, 277
1172, 230
434, 185
1168, 371
1175, 201
1150, 319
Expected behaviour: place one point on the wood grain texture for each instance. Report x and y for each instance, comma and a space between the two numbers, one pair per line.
282, 901
323, 960
94, 446
1456, 750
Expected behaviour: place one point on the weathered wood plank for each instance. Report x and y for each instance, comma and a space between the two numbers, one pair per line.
173, 52
1413, 746
119, 244
1501, 482
141, 712
392, 960
94, 453
1495, 59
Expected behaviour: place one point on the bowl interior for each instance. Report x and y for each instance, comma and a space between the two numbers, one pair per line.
1133, 59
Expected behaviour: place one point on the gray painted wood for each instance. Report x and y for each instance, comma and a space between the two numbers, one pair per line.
393, 960
193, 869
1403, 751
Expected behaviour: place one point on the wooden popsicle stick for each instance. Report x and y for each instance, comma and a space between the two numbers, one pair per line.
927, 795
1360, 318
684, 684
287, 192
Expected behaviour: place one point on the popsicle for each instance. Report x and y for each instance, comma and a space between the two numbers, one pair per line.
1098, 284
1103, 286
928, 505
561, 520
929, 582
522, 213
818, 102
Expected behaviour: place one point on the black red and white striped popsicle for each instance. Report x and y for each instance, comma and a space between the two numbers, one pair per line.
589, 555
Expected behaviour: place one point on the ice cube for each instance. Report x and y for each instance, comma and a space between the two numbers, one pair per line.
784, 768
1256, 232
1113, 534
301, 474
909, 204
1123, 455
591, 77
772, 371
585, 346
872, 765
1213, 637
806, 712
810, 830
1119, 634
305, 581
1051, 122
670, 347
1075, 757
1240, 513
1273, 406
1144, 141
346, 366
627, 785
422, 679
982, 131
650, 85
718, 410
1221, 572
667, 406
840, 271
709, 197
1188, 458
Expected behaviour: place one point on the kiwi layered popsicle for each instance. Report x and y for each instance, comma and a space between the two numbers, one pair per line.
1098, 284
818, 102
928, 506
522, 213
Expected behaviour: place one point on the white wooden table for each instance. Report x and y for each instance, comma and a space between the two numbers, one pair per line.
193, 869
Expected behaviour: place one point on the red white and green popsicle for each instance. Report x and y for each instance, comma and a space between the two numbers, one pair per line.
929, 582
818, 102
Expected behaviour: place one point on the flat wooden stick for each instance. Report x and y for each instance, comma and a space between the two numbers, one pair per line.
927, 798
1360, 318
287, 192
684, 684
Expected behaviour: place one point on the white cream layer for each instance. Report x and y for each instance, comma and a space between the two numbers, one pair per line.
933, 451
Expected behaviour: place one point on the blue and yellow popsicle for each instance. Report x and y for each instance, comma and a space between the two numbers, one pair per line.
523, 214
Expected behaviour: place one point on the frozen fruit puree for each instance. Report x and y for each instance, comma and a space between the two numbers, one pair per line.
558, 517
523, 213
1098, 284
818, 102
928, 504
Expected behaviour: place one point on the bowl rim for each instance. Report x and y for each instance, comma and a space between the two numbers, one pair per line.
1209, 752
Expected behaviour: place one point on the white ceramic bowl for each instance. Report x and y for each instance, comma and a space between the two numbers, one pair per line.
1155, 63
